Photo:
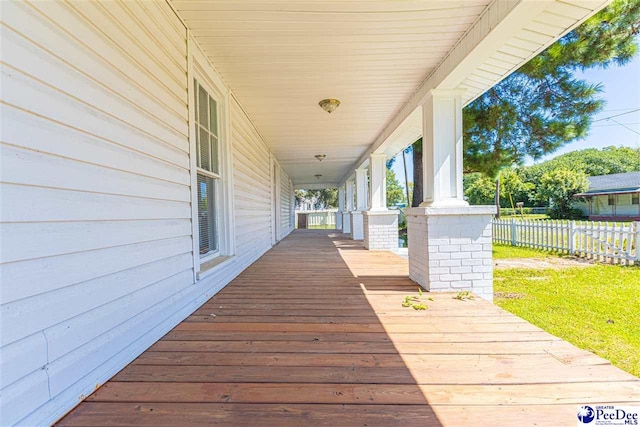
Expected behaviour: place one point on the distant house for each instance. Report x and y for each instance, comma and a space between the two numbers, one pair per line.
612, 196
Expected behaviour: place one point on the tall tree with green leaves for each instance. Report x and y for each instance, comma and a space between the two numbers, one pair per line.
559, 186
395, 192
543, 106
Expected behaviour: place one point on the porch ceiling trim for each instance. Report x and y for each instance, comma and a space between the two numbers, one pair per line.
506, 36
314, 186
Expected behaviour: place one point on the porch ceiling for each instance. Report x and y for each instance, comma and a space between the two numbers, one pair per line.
280, 58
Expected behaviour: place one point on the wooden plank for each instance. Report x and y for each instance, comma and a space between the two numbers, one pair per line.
488, 337
231, 414
364, 347
186, 358
381, 394
486, 370
356, 328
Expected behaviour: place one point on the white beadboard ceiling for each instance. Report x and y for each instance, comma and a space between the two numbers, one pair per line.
280, 58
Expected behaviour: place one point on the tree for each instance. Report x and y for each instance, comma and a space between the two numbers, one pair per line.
542, 106
591, 161
321, 199
395, 192
559, 186
478, 189
417, 194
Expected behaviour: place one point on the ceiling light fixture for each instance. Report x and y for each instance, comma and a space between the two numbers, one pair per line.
320, 157
318, 176
329, 105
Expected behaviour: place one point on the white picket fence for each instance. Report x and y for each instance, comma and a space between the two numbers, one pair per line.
597, 240
325, 218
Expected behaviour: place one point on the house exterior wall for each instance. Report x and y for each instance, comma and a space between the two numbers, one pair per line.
97, 258
287, 202
600, 207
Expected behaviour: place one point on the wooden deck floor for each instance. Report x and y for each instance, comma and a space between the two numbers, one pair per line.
314, 334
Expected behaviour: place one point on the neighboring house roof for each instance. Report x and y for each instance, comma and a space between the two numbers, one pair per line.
613, 184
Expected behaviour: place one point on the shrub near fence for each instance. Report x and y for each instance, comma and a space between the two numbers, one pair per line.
600, 241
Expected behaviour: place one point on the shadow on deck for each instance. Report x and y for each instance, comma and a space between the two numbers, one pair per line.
313, 333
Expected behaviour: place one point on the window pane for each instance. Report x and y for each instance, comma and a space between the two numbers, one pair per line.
203, 107
207, 215
198, 162
205, 156
213, 114
214, 154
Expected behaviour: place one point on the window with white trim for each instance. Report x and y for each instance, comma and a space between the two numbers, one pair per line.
208, 170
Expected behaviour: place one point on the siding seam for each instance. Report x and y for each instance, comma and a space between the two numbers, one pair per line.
45, 367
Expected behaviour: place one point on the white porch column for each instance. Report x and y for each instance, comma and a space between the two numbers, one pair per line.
442, 150
380, 224
449, 241
378, 168
361, 204
346, 214
340, 207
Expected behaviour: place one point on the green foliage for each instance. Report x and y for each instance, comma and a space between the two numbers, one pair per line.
478, 188
559, 186
542, 106
523, 184
591, 161
395, 192
321, 199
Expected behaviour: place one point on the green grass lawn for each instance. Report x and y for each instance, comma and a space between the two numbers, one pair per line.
526, 216
595, 308
507, 251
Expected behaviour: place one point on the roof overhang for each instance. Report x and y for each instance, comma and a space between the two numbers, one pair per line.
607, 192
380, 58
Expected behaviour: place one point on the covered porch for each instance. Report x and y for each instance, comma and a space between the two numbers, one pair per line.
150, 151
314, 333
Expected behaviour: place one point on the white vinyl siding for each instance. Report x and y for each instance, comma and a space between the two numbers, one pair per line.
96, 227
252, 180
96, 235
286, 204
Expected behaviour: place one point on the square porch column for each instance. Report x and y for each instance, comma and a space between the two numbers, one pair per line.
361, 187
346, 214
449, 241
340, 208
380, 224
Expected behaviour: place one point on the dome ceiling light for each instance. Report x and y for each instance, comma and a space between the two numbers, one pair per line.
318, 176
320, 157
329, 105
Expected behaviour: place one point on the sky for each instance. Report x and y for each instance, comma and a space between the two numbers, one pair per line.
621, 90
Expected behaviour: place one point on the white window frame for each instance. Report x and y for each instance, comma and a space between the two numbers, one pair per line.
217, 177
201, 70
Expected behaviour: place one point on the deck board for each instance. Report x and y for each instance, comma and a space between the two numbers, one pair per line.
313, 333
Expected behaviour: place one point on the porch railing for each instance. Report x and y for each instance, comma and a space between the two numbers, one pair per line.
597, 240
319, 219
